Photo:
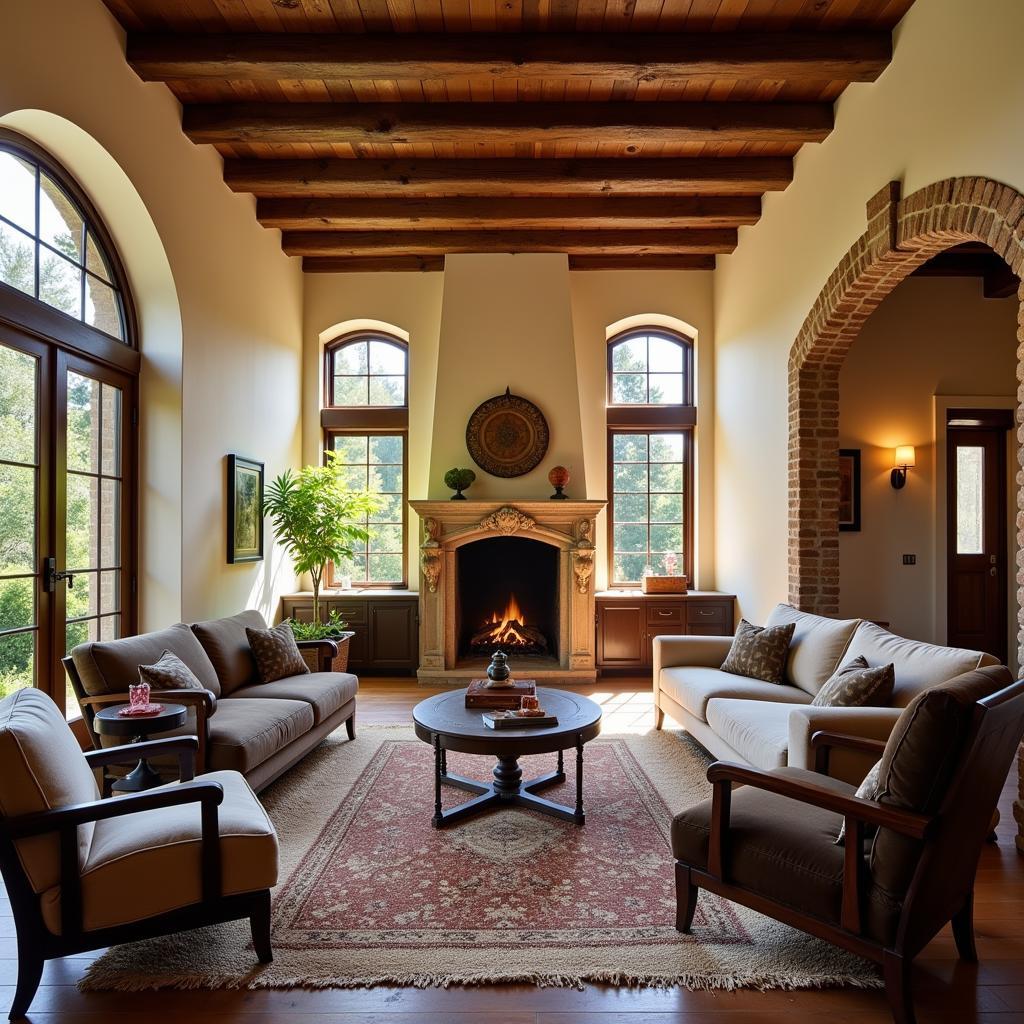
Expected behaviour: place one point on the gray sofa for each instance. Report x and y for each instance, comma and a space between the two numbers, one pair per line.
770, 725
258, 729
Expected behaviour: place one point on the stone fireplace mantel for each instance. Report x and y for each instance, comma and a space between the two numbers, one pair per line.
568, 526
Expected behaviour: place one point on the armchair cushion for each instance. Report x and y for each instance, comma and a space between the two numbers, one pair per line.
227, 647
41, 767
148, 863
757, 730
244, 733
109, 666
777, 846
693, 687
816, 648
325, 692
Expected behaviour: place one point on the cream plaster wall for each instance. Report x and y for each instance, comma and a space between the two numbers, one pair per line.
411, 303
603, 298
949, 104
931, 336
232, 380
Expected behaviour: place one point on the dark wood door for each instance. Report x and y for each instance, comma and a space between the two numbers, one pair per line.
392, 634
976, 539
620, 634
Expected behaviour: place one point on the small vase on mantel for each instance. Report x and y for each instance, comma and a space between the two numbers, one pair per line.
558, 478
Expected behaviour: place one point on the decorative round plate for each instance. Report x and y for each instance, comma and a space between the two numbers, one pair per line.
507, 435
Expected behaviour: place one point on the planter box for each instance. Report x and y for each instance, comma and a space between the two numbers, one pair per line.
340, 661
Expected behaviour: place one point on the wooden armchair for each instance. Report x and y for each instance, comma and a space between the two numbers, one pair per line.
83, 873
907, 866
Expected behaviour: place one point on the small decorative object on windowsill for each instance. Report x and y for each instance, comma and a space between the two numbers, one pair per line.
670, 583
336, 629
458, 480
559, 478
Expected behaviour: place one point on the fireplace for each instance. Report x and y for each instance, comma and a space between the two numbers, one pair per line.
507, 598
515, 577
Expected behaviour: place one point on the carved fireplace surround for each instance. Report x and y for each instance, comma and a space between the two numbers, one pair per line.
569, 526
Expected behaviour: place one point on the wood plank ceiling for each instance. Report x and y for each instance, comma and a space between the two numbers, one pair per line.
383, 134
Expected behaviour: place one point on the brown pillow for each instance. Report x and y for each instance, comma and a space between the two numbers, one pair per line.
857, 685
276, 653
759, 652
169, 673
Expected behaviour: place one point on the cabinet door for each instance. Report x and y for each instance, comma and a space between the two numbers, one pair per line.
392, 634
620, 634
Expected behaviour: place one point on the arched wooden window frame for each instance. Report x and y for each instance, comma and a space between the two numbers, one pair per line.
372, 420
636, 418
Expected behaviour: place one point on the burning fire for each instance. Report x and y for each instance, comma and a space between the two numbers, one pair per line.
508, 629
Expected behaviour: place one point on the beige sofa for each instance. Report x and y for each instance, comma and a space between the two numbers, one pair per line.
257, 729
769, 725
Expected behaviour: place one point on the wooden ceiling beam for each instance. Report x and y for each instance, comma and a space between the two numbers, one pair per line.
370, 264
498, 123
695, 241
680, 262
792, 56
542, 177
538, 213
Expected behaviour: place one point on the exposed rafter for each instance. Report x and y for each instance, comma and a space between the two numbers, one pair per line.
358, 264
821, 57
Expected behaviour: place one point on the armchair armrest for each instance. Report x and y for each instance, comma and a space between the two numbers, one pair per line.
856, 812
184, 746
823, 743
204, 702
851, 765
326, 649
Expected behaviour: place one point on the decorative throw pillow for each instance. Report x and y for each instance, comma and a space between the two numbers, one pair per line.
867, 790
857, 685
169, 673
759, 652
276, 653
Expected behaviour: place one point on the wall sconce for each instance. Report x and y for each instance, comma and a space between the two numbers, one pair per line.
905, 459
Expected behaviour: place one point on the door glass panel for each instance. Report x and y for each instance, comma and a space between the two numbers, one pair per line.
60, 283
19, 416
60, 223
17, 258
102, 308
83, 422
970, 483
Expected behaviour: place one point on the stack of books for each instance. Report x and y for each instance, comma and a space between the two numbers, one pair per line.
480, 695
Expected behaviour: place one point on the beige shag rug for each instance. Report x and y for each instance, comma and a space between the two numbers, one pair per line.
370, 894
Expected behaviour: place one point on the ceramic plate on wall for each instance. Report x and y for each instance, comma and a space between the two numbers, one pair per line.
507, 435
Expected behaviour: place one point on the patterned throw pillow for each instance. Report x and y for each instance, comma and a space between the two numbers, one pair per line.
169, 673
759, 652
276, 653
855, 685
867, 790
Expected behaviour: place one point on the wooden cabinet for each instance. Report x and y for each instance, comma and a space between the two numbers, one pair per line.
628, 622
386, 627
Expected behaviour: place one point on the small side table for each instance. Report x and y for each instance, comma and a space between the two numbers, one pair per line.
138, 728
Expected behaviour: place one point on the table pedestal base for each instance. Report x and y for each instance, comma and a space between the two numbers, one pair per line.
138, 780
507, 789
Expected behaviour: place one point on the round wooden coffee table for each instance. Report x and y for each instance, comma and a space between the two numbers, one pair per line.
447, 724
109, 723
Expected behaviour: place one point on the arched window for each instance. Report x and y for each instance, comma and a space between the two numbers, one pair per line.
50, 246
651, 416
366, 422
69, 365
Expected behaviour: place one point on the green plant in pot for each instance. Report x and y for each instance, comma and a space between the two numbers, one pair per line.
458, 480
317, 519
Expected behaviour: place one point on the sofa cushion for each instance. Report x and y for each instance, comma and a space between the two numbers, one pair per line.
325, 692
917, 665
817, 646
693, 687
276, 652
778, 847
918, 763
857, 685
757, 730
41, 767
149, 863
759, 651
244, 733
110, 666
227, 646
169, 673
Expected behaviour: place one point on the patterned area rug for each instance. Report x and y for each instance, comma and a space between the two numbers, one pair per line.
371, 894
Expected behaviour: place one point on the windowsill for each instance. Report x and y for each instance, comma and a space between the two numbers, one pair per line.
356, 592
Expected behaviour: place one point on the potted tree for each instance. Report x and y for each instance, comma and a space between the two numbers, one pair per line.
317, 520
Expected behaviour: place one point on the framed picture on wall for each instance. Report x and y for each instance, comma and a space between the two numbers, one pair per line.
849, 489
245, 510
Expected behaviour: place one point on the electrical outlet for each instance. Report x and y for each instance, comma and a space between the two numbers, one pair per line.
910, 559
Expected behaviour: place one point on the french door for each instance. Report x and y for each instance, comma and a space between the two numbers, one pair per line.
67, 509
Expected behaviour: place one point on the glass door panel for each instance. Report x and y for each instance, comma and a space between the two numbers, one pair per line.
19, 521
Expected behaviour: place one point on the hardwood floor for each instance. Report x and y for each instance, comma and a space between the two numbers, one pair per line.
946, 991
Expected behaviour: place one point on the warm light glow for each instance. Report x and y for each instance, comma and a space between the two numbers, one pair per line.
905, 457
508, 628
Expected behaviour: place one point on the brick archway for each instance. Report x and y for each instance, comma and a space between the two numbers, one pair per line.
901, 235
